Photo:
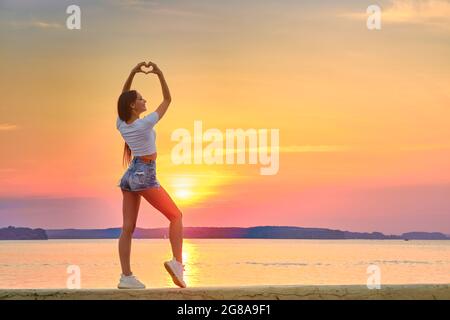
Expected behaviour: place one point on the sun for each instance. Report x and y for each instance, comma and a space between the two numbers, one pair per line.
183, 189
190, 189
196, 187
183, 194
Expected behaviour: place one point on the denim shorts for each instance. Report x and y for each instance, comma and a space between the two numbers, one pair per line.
139, 176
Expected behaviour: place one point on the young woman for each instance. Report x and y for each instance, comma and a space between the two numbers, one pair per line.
140, 177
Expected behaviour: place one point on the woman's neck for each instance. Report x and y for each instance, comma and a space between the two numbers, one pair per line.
132, 119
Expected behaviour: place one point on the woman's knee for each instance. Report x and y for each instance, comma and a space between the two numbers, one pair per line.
128, 229
176, 215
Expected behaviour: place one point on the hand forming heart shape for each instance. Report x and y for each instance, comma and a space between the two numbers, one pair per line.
149, 68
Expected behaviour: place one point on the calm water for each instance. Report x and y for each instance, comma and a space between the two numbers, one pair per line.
225, 262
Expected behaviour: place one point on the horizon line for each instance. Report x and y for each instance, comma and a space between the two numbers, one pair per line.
280, 226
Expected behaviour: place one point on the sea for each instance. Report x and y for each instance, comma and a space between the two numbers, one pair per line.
95, 263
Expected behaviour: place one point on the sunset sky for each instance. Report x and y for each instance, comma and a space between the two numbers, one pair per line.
363, 115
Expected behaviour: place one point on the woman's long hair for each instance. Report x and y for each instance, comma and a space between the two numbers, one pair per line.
124, 110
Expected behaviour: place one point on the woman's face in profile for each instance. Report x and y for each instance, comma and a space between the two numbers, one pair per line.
139, 104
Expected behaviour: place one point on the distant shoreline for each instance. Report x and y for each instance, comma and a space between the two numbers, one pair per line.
259, 232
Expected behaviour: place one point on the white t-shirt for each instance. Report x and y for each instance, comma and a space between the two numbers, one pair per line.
140, 135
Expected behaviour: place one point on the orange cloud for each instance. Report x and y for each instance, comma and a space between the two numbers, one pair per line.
7, 127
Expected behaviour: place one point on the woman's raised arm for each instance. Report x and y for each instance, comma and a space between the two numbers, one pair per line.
161, 110
127, 85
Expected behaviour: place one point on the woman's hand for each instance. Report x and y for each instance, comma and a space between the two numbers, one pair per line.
138, 68
154, 67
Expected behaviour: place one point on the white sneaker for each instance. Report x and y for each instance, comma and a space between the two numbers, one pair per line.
175, 269
130, 282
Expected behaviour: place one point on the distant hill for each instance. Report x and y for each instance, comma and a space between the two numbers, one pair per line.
12, 233
425, 236
262, 232
111, 233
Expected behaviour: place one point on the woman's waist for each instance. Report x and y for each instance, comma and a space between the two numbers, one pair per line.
147, 158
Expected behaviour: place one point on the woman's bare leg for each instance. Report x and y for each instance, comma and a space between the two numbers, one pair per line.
131, 202
161, 200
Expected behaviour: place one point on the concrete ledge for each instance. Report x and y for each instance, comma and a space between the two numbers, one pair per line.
266, 292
